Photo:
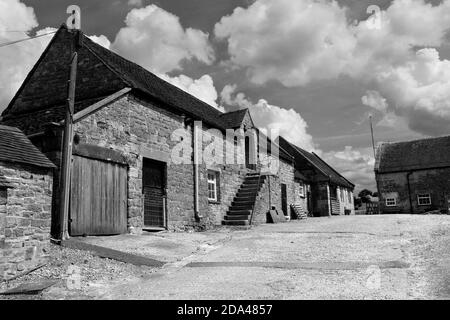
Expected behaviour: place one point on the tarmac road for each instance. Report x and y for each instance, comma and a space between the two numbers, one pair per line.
348, 257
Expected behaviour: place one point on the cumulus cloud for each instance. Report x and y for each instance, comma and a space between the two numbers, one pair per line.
101, 40
375, 100
135, 3
288, 123
16, 60
155, 39
420, 90
202, 88
298, 42
355, 165
294, 42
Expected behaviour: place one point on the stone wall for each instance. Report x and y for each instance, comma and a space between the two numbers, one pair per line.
395, 185
3, 199
25, 217
270, 193
141, 129
231, 169
345, 199
299, 199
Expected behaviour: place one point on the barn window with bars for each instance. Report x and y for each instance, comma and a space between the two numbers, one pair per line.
391, 202
424, 199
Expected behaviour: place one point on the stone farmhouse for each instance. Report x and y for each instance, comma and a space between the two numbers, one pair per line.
25, 203
414, 176
326, 192
147, 155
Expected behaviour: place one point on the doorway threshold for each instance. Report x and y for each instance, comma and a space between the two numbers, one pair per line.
154, 229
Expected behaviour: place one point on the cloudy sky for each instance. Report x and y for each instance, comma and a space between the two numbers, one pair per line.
313, 69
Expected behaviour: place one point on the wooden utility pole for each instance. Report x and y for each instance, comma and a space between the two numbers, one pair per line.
66, 162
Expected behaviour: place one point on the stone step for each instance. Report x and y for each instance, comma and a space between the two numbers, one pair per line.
248, 189
253, 174
250, 184
241, 198
241, 207
242, 204
253, 178
239, 212
236, 217
235, 222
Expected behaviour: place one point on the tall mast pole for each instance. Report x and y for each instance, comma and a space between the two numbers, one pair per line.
371, 133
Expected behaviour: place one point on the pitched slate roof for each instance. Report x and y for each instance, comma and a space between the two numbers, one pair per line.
141, 79
305, 160
413, 155
126, 74
15, 147
233, 119
335, 176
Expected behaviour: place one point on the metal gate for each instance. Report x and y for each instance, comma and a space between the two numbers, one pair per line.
154, 189
98, 204
284, 204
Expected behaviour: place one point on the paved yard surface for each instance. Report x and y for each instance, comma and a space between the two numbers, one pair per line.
350, 257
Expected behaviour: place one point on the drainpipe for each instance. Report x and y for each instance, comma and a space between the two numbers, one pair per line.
195, 133
409, 192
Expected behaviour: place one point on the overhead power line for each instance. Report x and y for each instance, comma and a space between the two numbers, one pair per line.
26, 39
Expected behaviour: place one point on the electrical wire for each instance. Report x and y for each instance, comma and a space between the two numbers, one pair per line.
21, 40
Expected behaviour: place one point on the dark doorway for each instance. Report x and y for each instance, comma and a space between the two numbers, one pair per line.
249, 154
284, 204
309, 203
154, 190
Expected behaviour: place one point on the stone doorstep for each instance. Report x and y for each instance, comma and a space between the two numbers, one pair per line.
113, 254
30, 288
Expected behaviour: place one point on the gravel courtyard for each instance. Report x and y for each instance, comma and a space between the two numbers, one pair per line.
349, 257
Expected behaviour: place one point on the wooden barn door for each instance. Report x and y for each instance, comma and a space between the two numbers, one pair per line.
98, 204
154, 189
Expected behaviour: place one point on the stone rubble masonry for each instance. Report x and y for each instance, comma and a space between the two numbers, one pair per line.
432, 181
141, 129
270, 193
298, 198
25, 218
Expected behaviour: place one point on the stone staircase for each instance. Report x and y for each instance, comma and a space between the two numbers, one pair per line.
241, 208
299, 211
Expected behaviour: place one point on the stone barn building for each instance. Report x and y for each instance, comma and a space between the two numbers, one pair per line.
327, 191
141, 155
414, 176
25, 203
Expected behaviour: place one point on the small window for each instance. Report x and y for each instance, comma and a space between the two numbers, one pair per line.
391, 202
302, 190
212, 186
424, 199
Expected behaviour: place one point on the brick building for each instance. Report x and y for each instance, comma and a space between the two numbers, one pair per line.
25, 203
326, 191
414, 176
134, 165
